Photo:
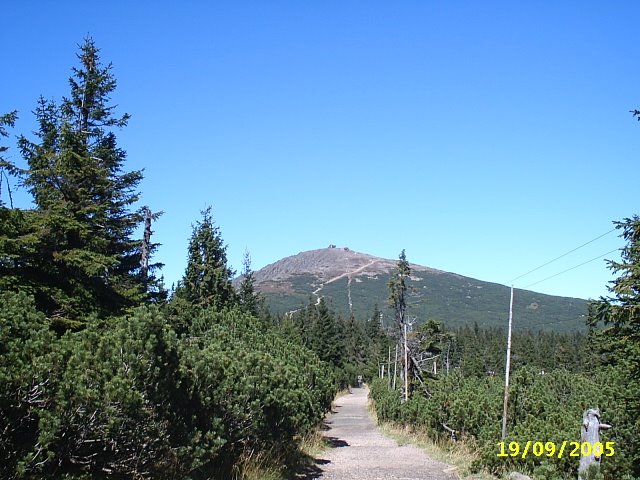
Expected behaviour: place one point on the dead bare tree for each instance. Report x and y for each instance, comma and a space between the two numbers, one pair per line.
146, 248
397, 299
590, 434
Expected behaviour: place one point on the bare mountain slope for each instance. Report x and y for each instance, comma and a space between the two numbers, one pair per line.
326, 264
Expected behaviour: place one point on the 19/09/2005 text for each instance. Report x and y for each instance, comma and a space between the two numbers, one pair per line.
550, 449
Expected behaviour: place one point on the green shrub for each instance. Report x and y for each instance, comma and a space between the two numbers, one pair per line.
542, 408
25, 348
126, 398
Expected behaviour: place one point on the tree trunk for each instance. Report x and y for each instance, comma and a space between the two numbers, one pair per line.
146, 248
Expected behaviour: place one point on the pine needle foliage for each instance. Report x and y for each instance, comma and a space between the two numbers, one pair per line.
249, 299
80, 255
135, 400
6, 120
398, 289
615, 323
207, 278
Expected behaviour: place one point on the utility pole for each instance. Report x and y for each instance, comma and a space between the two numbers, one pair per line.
506, 375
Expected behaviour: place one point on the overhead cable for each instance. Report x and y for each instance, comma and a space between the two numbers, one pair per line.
569, 269
561, 256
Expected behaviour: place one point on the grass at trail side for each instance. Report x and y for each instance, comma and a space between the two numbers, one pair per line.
276, 464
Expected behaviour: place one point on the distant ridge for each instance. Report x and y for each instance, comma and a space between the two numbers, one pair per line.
354, 282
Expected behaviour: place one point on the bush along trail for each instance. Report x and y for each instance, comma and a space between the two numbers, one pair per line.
131, 399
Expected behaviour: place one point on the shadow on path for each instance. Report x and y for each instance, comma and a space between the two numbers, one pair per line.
312, 472
335, 442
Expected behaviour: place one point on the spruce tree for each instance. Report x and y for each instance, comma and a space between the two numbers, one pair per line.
398, 289
304, 321
328, 338
12, 221
619, 339
6, 120
378, 341
86, 260
398, 301
250, 300
373, 327
356, 348
207, 279
17, 239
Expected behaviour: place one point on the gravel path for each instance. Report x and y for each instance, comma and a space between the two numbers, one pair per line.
360, 451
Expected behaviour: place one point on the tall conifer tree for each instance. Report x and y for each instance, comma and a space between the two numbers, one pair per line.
328, 337
250, 300
398, 301
207, 279
619, 341
373, 327
398, 289
85, 259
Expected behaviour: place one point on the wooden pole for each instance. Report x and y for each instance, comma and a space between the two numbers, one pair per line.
506, 373
406, 365
389, 370
395, 368
448, 346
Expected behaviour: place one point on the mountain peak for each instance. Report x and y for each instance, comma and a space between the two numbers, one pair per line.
329, 263
352, 282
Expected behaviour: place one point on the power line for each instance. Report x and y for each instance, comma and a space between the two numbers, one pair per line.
563, 255
569, 269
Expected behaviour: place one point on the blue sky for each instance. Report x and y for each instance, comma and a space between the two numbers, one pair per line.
485, 138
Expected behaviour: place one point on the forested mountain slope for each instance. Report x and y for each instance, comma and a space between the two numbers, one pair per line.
352, 281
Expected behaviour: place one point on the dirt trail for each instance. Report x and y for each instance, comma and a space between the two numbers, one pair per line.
352, 272
360, 451
316, 292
